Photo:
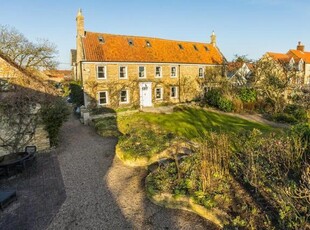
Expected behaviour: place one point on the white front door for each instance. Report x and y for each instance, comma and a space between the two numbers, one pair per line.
146, 94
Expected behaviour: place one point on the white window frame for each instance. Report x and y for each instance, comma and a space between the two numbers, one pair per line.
119, 72
106, 95
176, 71
161, 93
139, 72
127, 96
104, 72
161, 71
203, 72
176, 91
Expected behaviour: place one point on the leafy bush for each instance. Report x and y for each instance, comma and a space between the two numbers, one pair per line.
76, 93
298, 112
53, 115
247, 94
275, 167
225, 104
302, 130
284, 118
213, 97
292, 114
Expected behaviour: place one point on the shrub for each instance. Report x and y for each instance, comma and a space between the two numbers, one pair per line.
76, 93
249, 106
237, 105
213, 97
302, 130
298, 112
284, 118
247, 94
225, 104
53, 115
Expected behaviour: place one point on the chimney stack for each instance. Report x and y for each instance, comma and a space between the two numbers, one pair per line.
300, 47
213, 39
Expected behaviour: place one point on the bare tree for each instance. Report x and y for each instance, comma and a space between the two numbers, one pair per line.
273, 81
26, 54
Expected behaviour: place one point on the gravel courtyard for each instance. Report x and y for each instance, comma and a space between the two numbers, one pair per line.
102, 193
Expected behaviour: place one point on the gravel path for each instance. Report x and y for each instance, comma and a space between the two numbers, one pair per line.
102, 193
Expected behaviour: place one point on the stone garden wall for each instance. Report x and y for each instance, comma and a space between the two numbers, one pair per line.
40, 140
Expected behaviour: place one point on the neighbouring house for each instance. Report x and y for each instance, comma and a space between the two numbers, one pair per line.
18, 82
297, 59
123, 70
239, 73
58, 76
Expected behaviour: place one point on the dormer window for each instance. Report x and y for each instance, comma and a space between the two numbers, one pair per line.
101, 39
195, 47
206, 48
130, 42
180, 46
148, 44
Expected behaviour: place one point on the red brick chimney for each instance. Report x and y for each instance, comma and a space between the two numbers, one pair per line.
300, 47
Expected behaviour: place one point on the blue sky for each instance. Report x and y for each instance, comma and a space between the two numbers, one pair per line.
243, 27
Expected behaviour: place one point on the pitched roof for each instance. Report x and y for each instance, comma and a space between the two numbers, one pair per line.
122, 48
279, 56
35, 79
300, 55
58, 73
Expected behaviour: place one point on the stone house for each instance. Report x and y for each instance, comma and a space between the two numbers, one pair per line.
297, 59
18, 82
126, 71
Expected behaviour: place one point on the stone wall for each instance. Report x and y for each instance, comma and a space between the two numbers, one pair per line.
186, 80
40, 140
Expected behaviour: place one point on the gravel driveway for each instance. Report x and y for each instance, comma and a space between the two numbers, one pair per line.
102, 193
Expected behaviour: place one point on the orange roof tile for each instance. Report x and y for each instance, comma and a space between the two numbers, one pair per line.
305, 56
116, 48
279, 56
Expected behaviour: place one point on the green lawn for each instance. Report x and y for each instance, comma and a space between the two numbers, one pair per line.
191, 122
147, 134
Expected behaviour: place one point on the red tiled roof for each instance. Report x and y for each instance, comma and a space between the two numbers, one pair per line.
116, 48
